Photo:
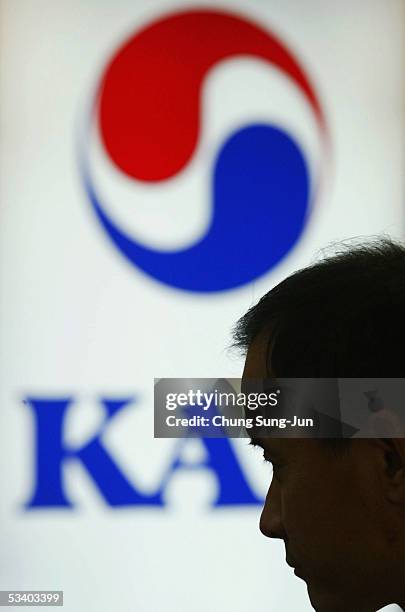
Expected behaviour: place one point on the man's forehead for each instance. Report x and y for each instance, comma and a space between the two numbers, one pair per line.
256, 357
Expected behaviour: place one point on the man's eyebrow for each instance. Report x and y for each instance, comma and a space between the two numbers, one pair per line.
256, 442
269, 452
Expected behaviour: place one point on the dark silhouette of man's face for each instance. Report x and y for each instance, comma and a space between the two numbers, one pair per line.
340, 513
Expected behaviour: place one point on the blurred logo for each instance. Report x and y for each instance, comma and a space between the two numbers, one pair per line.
147, 115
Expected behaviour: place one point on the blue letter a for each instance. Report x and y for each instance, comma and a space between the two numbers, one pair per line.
233, 487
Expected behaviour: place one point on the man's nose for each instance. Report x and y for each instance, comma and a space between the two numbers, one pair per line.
270, 520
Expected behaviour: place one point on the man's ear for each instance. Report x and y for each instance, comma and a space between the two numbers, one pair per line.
393, 463
386, 423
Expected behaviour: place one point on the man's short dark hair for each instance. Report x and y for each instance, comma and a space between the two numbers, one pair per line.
343, 316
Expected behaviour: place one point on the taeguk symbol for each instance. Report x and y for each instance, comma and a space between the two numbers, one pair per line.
148, 113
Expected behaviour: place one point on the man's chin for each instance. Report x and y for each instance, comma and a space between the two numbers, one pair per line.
326, 602
332, 600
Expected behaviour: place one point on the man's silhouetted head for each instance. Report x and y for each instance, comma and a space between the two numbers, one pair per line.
338, 505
